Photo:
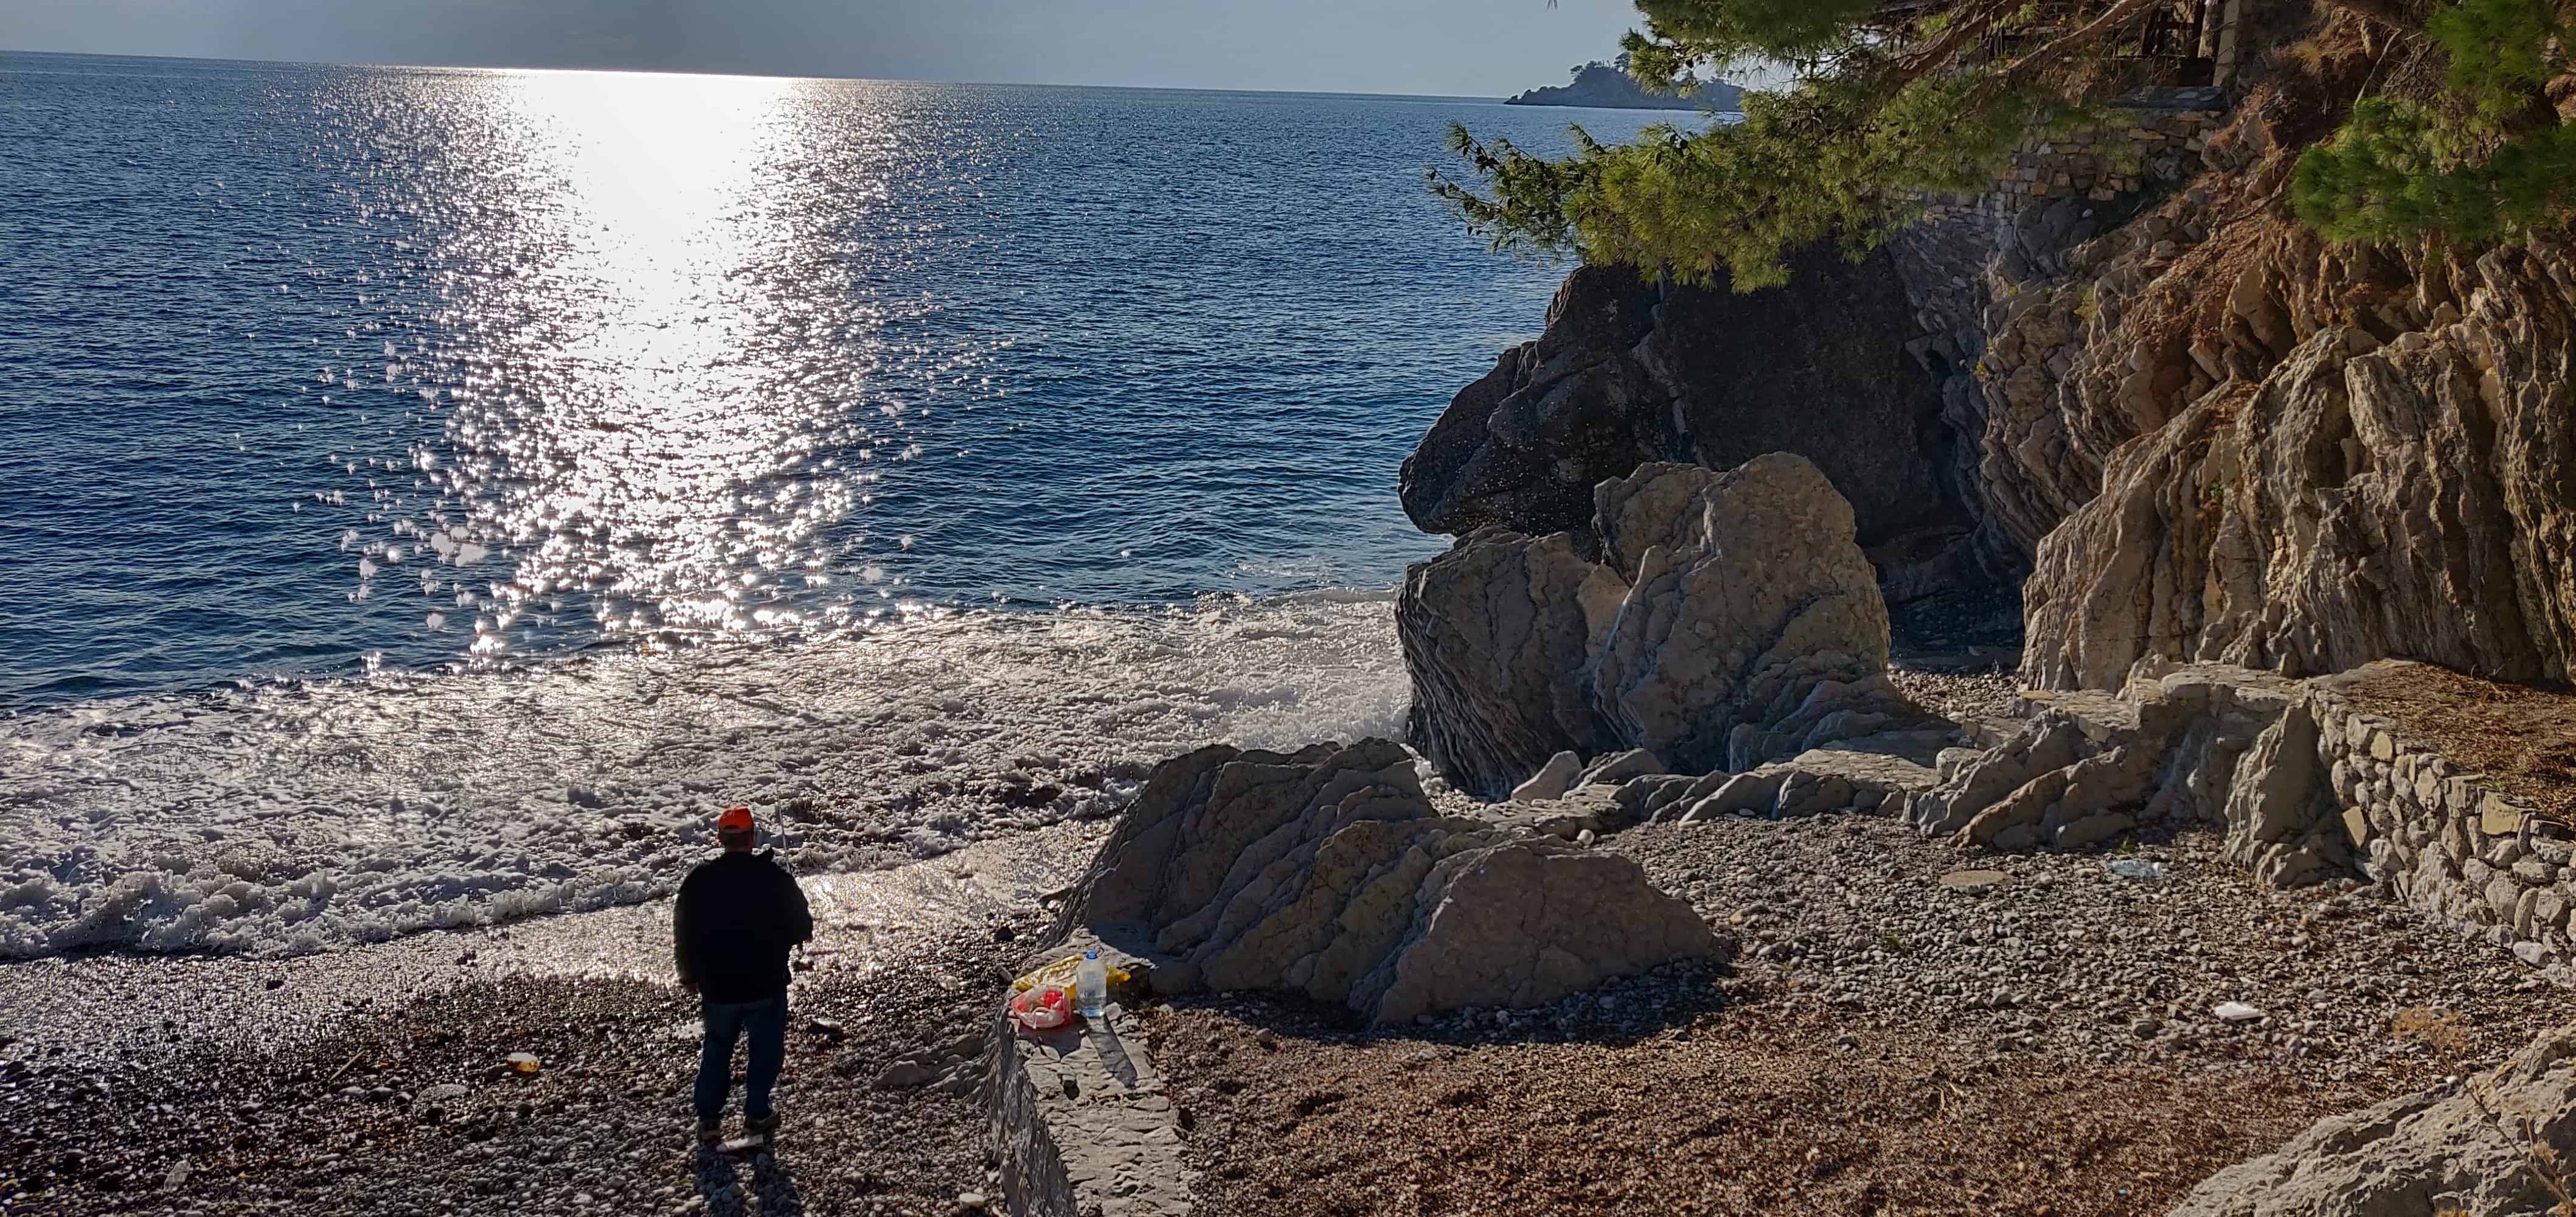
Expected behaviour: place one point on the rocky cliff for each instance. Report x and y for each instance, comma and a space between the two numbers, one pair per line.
2229, 471
2203, 433
2311, 458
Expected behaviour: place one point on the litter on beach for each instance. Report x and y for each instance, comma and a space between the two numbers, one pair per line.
1061, 974
1041, 1009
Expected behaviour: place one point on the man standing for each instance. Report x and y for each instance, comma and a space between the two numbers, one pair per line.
737, 918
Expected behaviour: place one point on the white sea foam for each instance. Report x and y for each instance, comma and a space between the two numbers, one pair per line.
301, 817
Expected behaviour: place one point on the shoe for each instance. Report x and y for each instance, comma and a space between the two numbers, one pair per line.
761, 1127
710, 1132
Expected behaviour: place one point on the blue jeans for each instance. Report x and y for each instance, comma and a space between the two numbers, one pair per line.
766, 1020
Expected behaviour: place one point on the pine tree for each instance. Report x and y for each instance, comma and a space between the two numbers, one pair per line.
2484, 158
1890, 99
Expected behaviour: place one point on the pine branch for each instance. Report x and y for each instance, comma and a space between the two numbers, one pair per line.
2395, 14
2092, 31
1959, 34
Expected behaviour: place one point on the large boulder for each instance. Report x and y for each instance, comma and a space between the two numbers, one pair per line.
1498, 635
1328, 873
1631, 371
1729, 621
2469, 1149
1749, 607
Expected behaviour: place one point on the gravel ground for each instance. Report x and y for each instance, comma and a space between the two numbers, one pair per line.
375, 1081
413, 1111
1962, 694
2067, 959
1883, 1044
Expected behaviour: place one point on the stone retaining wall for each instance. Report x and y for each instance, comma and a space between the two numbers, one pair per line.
2099, 161
2442, 839
2305, 782
1081, 1124
1946, 257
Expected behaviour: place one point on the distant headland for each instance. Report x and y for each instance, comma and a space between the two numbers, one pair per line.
1609, 86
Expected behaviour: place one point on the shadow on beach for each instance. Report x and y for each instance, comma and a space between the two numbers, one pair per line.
770, 1191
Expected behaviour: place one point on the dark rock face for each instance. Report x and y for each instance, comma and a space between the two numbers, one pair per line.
1630, 372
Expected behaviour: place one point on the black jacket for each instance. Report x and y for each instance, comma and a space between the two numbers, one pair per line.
737, 918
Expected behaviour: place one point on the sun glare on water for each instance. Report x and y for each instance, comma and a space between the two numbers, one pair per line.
626, 423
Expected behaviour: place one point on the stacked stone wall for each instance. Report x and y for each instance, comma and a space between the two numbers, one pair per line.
2446, 841
2098, 162
2017, 231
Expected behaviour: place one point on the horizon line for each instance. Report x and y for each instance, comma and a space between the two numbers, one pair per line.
531, 68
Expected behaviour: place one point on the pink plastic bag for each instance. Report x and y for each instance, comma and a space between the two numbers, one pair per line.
1044, 1008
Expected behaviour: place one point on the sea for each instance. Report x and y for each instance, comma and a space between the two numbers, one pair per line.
431, 493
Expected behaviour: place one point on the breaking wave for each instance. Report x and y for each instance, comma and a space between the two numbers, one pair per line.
302, 816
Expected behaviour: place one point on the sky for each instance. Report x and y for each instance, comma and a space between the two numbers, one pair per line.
1460, 47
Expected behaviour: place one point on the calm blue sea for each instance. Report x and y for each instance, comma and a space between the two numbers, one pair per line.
308, 369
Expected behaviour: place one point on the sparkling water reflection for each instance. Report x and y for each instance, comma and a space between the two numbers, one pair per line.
304, 365
657, 446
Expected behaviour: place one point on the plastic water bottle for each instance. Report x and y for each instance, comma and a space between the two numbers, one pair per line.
1090, 984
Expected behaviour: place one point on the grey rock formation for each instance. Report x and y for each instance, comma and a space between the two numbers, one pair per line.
1630, 372
1732, 621
2218, 711
1593, 809
1621, 767
2466, 1149
1498, 635
1327, 873
1827, 779
2353, 456
2281, 820
1748, 606
2203, 744
1552, 780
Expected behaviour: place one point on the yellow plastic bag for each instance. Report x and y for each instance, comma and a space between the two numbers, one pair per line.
1060, 975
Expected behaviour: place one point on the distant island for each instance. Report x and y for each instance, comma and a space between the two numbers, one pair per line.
1608, 86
